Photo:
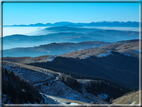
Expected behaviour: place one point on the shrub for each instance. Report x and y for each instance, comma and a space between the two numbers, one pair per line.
71, 82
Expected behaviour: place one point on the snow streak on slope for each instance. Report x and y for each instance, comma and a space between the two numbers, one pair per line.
136, 51
51, 58
104, 54
86, 57
59, 89
28, 74
125, 54
48, 84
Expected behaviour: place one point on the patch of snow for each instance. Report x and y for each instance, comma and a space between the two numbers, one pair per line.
48, 100
54, 87
5, 99
28, 74
125, 54
73, 104
59, 101
29, 61
105, 54
51, 58
59, 74
84, 82
136, 51
59, 89
103, 96
85, 57
134, 102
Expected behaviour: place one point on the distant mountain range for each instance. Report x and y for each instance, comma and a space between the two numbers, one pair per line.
103, 23
52, 49
67, 34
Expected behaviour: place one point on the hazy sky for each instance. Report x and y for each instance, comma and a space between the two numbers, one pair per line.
30, 13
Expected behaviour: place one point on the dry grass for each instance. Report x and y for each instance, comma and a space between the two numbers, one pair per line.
132, 98
27, 59
38, 69
125, 48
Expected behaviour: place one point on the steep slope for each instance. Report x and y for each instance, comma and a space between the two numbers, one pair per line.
104, 89
57, 84
59, 89
46, 81
18, 91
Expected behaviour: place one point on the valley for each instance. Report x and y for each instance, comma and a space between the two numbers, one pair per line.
106, 66
72, 64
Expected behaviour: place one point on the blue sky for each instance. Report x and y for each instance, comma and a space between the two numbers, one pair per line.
30, 13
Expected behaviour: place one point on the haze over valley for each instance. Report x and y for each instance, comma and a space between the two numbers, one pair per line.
64, 33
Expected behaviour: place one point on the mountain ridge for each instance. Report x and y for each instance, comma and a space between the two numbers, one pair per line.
53, 48
102, 23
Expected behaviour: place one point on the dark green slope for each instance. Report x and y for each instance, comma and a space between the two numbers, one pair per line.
16, 90
116, 67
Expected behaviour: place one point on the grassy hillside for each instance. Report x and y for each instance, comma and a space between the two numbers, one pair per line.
129, 98
130, 47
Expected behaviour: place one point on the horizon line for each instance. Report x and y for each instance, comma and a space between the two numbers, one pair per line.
69, 22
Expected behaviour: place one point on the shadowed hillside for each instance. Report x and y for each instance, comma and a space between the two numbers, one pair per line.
16, 90
116, 66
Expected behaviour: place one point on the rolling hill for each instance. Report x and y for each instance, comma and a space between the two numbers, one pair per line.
30, 59
130, 47
52, 49
111, 71
117, 62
